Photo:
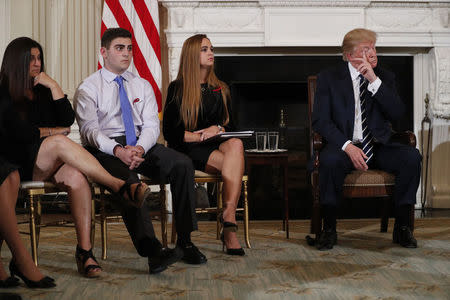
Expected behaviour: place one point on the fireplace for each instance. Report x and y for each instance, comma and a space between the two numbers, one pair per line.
261, 86
260, 35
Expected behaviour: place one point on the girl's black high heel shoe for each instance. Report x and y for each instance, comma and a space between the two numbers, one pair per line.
229, 227
90, 271
44, 283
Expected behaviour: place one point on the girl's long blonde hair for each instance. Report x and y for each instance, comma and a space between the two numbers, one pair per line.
189, 79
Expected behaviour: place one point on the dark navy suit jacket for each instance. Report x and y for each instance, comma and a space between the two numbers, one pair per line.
334, 106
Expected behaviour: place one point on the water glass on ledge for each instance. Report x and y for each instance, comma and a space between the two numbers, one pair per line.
273, 140
261, 141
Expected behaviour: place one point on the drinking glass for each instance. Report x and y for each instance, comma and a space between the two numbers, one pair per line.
273, 140
261, 141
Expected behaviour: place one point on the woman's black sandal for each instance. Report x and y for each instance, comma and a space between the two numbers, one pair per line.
81, 256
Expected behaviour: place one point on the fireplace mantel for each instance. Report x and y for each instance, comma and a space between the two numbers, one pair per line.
302, 23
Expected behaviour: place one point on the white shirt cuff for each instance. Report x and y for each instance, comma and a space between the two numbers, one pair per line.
106, 144
374, 86
345, 145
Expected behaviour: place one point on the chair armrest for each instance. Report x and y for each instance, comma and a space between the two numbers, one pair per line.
405, 137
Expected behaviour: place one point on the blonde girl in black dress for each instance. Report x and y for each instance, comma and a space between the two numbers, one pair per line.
197, 108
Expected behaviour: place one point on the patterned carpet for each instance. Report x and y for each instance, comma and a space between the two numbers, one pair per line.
364, 265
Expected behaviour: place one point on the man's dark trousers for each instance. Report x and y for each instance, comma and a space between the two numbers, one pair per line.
401, 160
164, 165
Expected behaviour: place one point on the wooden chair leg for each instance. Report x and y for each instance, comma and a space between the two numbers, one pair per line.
92, 220
219, 208
38, 219
174, 231
384, 222
163, 200
33, 229
246, 233
316, 221
103, 224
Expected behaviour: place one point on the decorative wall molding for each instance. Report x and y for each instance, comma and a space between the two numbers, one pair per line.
399, 18
228, 19
313, 3
440, 82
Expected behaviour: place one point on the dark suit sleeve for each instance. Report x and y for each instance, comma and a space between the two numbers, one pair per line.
322, 119
173, 127
387, 98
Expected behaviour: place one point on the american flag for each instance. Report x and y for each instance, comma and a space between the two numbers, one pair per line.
140, 17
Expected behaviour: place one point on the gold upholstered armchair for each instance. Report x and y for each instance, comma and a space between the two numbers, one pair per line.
358, 184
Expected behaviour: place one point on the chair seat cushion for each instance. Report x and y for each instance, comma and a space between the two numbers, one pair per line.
369, 178
204, 174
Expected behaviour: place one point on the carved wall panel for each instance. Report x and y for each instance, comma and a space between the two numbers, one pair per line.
399, 19
440, 81
228, 18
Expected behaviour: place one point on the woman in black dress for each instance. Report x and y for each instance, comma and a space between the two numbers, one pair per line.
197, 108
36, 120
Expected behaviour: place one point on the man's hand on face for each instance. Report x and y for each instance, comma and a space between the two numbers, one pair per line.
357, 157
365, 68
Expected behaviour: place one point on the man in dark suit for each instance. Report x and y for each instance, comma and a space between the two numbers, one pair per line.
354, 104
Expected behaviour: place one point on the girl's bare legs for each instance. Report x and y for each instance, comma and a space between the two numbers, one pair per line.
9, 230
58, 149
229, 160
79, 193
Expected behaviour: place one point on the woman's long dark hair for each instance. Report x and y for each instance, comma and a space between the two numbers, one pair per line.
15, 71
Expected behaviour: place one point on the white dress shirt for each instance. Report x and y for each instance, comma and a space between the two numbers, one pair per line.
372, 88
99, 116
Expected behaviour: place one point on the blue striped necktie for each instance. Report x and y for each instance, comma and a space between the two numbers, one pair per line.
127, 115
367, 141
